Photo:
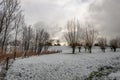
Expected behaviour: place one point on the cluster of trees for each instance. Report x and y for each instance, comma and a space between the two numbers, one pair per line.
10, 17
79, 35
113, 43
13, 29
56, 43
34, 39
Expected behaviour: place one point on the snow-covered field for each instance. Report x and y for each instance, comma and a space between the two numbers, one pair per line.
62, 66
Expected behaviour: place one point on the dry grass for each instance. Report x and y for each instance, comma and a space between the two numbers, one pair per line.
29, 53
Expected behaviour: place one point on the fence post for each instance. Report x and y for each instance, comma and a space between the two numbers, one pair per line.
7, 62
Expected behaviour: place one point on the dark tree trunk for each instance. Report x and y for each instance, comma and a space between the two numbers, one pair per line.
73, 51
111, 49
7, 63
103, 49
39, 49
15, 48
15, 41
4, 39
90, 49
79, 49
114, 49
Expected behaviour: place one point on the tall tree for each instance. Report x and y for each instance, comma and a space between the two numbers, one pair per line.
9, 10
43, 37
26, 39
90, 36
72, 35
17, 24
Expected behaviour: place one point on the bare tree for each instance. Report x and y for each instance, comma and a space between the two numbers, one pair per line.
118, 39
58, 42
3, 12
102, 42
36, 41
90, 36
43, 37
114, 44
72, 34
27, 37
17, 24
9, 10
46, 41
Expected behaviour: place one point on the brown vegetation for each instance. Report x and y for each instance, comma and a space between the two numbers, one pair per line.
3, 56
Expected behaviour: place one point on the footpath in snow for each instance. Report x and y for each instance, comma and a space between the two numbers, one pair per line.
61, 66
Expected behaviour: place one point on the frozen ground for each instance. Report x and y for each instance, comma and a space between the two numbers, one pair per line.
62, 66
115, 75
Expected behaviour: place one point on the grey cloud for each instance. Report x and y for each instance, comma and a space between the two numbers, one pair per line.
41, 11
53, 12
52, 29
106, 13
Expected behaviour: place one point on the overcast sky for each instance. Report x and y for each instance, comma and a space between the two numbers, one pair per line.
55, 13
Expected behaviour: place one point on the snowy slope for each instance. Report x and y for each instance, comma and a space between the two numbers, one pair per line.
59, 66
115, 75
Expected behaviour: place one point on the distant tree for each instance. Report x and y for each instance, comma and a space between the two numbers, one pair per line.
96, 44
42, 38
50, 42
102, 42
90, 36
114, 44
46, 46
58, 42
41, 41
72, 34
46, 39
118, 41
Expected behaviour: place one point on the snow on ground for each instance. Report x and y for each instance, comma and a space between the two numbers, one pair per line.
60, 66
115, 75
1, 65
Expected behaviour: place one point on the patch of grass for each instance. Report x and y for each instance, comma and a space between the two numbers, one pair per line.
102, 71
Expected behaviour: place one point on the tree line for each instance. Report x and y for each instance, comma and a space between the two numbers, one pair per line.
85, 35
14, 30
